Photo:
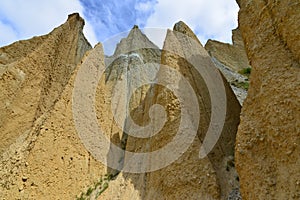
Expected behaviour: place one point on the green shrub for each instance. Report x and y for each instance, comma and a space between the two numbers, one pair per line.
89, 191
244, 85
101, 185
245, 71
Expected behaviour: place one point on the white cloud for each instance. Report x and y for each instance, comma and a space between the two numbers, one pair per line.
89, 33
213, 19
156, 35
25, 19
144, 6
7, 34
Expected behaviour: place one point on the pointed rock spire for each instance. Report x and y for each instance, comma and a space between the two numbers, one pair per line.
135, 40
185, 29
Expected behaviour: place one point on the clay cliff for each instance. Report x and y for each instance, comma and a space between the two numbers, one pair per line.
268, 139
40, 156
49, 145
34, 74
150, 123
232, 55
137, 60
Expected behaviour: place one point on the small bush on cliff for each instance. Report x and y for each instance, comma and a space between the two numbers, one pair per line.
98, 188
246, 71
243, 85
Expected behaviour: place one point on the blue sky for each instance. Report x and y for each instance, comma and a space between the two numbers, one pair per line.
23, 19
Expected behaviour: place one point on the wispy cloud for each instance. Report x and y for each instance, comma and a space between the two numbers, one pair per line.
7, 33
114, 16
20, 19
213, 19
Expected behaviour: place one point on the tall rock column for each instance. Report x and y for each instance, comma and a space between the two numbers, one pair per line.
33, 75
41, 155
187, 176
183, 52
268, 139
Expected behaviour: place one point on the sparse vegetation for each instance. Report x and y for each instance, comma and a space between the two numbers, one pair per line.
245, 71
89, 191
97, 189
244, 85
104, 187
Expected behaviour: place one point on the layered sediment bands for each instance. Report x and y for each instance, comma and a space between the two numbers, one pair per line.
268, 140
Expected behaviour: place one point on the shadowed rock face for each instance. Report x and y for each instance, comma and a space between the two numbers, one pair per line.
268, 140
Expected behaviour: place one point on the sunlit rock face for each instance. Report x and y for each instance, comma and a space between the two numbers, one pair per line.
171, 104
268, 139
41, 153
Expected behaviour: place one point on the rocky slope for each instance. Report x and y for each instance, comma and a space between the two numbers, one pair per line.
239, 83
268, 140
232, 55
233, 62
